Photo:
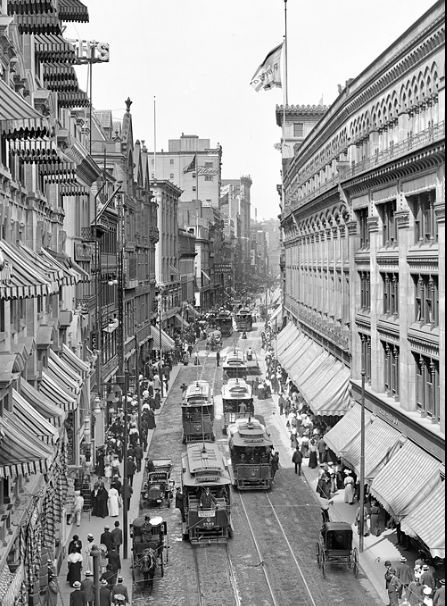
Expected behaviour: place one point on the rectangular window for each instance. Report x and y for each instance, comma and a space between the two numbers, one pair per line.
171, 176
427, 299
171, 161
390, 294
193, 188
391, 369
428, 396
362, 218
208, 178
366, 356
389, 226
208, 165
298, 129
365, 290
425, 225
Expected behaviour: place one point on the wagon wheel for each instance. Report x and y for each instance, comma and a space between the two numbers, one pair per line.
162, 565
323, 562
355, 562
318, 555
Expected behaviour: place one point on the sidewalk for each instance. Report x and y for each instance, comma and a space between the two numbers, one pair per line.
95, 525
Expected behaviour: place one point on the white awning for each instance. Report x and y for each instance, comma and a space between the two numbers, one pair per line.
181, 320
167, 344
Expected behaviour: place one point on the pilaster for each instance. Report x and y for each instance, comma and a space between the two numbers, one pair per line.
440, 219
377, 358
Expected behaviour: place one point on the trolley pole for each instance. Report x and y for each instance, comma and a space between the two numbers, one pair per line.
361, 525
125, 477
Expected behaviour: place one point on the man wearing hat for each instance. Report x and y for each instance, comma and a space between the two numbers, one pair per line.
88, 550
404, 574
88, 588
439, 597
77, 597
427, 577
394, 587
130, 469
105, 596
120, 589
107, 538
414, 592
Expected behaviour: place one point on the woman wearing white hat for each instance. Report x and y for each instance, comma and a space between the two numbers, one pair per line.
349, 487
428, 596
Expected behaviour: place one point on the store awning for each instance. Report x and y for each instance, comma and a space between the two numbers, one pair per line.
181, 321
46, 266
70, 380
71, 276
346, 430
34, 422
51, 47
381, 442
30, 7
60, 78
277, 316
68, 265
75, 361
19, 279
332, 397
276, 297
167, 344
51, 388
73, 99
192, 310
427, 521
20, 452
18, 119
40, 402
73, 10
293, 352
38, 23
406, 481
286, 338
307, 354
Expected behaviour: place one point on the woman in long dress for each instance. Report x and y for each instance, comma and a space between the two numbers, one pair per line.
349, 488
113, 502
313, 461
74, 561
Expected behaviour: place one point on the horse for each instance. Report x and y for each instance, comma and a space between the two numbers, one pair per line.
147, 564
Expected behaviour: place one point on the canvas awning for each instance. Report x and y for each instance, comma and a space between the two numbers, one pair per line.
19, 278
51, 387
73, 10
52, 47
31, 7
75, 361
38, 23
407, 480
167, 344
346, 430
73, 99
34, 422
44, 405
46, 266
381, 442
60, 77
20, 452
286, 338
277, 316
427, 521
181, 321
192, 310
69, 379
18, 119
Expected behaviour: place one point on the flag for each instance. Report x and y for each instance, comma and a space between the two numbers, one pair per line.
191, 166
268, 73
203, 171
206, 275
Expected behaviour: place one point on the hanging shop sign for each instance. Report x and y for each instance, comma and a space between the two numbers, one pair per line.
90, 51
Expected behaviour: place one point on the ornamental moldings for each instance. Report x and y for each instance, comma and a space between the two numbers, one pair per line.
363, 322
440, 212
363, 258
352, 228
424, 342
373, 224
388, 258
423, 260
389, 329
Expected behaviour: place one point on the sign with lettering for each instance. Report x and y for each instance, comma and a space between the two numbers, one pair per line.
83, 252
206, 513
222, 268
90, 51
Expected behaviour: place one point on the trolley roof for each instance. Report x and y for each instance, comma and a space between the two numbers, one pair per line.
236, 389
244, 312
198, 390
204, 464
235, 358
249, 432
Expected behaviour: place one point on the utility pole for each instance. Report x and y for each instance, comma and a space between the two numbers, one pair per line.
362, 466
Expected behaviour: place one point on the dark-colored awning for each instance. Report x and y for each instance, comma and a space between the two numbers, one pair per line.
167, 344
35, 151
73, 99
44, 405
30, 418
52, 388
31, 7
63, 172
51, 47
69, 265
61, 78
74, 189
73, 10
18, 119
38, 24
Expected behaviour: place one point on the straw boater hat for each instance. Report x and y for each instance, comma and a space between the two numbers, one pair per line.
402, 559
427, 590
76, 585
104, 582
88, 573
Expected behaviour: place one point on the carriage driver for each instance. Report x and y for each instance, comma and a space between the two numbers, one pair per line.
207, 500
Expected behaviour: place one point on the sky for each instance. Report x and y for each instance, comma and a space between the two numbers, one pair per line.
197, 58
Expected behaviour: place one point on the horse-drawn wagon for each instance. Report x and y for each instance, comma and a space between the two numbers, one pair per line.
149, 548
157, 488
335, 545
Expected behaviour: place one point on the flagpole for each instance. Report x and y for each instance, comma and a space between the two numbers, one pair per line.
155, 140
285, 55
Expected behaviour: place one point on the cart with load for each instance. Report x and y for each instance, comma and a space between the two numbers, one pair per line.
149, 548
335, 545
157, 488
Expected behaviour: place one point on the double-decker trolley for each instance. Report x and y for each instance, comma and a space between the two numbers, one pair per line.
235, 366
198, 413
250, 452
206, 495
244, 320
224, 322
237, 400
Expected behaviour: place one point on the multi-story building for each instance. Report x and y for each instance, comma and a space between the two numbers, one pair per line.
186, 256
203, 184
271, 228
364, 239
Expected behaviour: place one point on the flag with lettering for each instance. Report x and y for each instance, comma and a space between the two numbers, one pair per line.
191, 166
268, 73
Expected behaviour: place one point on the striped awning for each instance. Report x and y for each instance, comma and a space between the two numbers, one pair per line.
31, 7
73, 189
68, 265
191, 309
52, 389
83, 368
71, 276
21, 453
35, 151
38, 23
73, 99
277, 316
69, 379
346, 430
42, 404
286, 338
54, 274
51, 47
167, 344
181, 321
60, 78
407, 480
30, 418
19, 278
381, 443
73, 10
60, 172
427, 521
18, 119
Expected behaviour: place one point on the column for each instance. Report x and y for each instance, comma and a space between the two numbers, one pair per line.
440, 219
377, 358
